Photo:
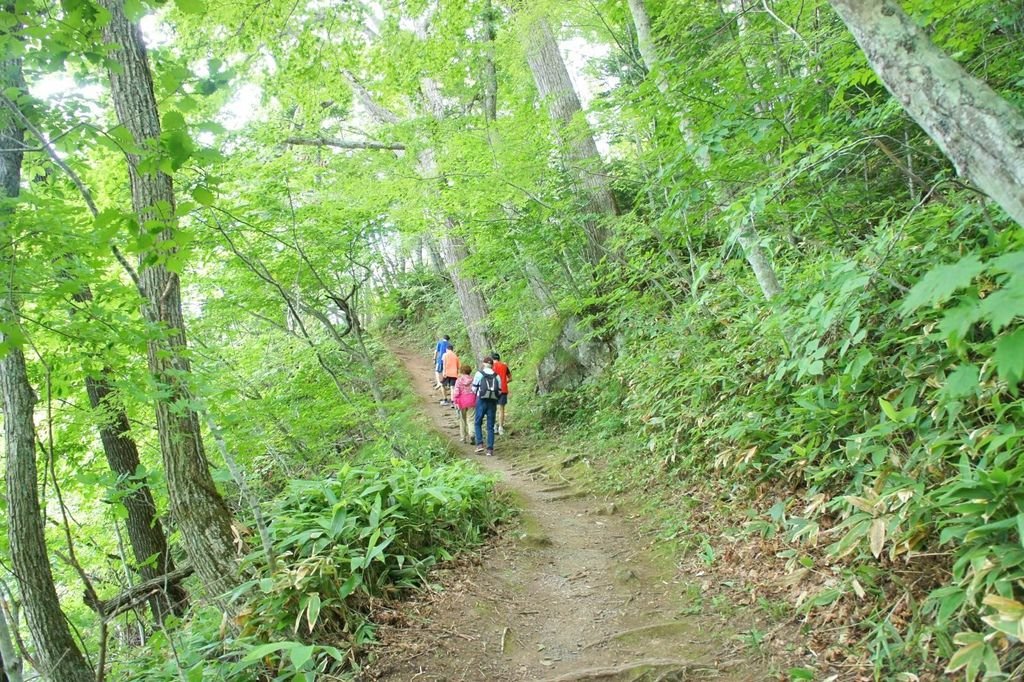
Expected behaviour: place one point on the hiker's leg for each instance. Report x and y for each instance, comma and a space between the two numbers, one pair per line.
492, 408
502, 401
478, 421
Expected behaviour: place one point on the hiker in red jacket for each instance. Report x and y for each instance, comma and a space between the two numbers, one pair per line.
502, 370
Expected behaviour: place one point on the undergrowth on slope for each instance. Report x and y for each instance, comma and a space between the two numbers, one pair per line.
369, 532
864, 431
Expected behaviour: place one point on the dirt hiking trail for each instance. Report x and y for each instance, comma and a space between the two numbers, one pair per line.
570, 592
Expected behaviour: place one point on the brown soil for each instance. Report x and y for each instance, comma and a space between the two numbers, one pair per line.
572, 592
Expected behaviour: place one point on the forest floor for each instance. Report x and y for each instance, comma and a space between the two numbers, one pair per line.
574, 590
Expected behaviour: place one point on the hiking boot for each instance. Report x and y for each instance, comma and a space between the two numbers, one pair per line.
490, 453
478, 450
472, 440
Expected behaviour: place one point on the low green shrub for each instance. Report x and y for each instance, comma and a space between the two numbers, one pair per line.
368, 533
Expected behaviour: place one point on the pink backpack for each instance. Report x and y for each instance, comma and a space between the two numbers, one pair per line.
466, 398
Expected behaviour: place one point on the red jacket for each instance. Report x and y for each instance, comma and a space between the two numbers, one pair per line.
502, 370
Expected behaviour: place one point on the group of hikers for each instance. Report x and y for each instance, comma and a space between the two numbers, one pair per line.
485, 391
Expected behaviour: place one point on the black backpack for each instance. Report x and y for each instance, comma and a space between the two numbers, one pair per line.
489, 387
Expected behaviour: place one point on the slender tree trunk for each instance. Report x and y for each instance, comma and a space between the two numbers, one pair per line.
56, 652
746, 233
980, 132
145, 532
471, 301
196, 505
453, 250
490, 73
436, 262
581, 155
11, 667
645, 42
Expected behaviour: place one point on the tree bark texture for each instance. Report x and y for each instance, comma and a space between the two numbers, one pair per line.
145, 532
585, 164
196, 505
471, 301
57, 654
980, 132
645, 42
746, 233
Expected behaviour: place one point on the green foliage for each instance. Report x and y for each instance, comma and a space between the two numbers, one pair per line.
370, 532
877, 399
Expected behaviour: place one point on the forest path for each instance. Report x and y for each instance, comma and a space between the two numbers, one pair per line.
571, 593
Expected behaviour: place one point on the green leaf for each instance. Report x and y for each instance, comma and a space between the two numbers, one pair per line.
203, 196
942, 282
173, 120
1009, 262
801, 674
1002, 306
301, 655
1009, 357
313, 610
191, 6
970, 654
962, 382
958, 320
349, 586
888, 409
259, 652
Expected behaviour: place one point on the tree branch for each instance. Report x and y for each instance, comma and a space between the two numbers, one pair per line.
344, 144
108, 608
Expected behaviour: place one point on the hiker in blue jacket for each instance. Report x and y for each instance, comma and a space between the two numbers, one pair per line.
487, 386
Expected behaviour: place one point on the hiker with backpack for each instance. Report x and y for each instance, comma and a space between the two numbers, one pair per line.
502, 370
487, 386
449, 373
465, 400
439, 350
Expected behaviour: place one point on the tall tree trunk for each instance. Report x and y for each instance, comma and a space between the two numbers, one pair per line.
645, 42
196, 505
980, 132
471, 301
434, 252
584, 161
56, 652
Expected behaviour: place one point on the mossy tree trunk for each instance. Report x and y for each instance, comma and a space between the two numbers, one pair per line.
980, 132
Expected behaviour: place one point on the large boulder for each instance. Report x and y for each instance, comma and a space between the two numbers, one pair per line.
574, 356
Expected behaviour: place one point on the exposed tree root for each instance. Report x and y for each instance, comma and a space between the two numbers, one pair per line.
648, 630
568, 496
634, 671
